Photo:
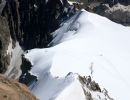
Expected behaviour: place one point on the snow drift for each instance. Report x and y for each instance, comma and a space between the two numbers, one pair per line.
87, 44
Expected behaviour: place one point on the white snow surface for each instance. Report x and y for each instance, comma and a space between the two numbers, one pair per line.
86, 40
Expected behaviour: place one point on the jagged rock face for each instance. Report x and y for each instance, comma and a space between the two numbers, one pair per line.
29, 22
110, 2
113, 2
116, 10
117, 13
4, 42
26, 77
12, 90
89, 87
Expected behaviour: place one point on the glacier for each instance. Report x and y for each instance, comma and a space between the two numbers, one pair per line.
86, 44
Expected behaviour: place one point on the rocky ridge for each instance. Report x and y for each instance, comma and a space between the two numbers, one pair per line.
90, 87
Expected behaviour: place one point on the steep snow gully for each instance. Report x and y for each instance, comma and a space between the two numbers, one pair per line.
86, 44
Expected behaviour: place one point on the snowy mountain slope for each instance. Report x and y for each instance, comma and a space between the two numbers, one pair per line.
48, 87
87, 44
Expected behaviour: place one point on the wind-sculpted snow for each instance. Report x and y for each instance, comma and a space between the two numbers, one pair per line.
87, 44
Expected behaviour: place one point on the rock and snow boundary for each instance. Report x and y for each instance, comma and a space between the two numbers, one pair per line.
86, 44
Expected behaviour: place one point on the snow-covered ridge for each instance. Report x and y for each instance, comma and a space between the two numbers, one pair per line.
87, 44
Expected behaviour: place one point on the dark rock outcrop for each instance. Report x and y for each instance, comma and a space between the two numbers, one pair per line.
26, 77
113, 2
32, 21
116, 10
117, 13
89, 86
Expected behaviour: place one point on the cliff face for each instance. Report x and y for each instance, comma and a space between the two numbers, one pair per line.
4, 42
117, 13
31, 21
12, 90
28, 23
116, 10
